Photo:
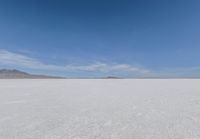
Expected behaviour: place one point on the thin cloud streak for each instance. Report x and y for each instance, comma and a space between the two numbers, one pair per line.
10, 59
15, 59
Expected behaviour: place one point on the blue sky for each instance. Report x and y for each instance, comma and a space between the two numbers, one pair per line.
94, 38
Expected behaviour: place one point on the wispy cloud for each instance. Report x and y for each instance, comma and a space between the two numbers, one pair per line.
16, 59
12, 59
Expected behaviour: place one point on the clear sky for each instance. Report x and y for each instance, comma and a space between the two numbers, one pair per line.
92, 38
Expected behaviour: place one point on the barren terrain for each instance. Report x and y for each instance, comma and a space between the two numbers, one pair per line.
100, 109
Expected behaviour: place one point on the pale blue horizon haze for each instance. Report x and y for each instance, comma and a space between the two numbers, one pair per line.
97, 38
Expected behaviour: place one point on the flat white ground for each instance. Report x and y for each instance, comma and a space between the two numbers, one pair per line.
100, 109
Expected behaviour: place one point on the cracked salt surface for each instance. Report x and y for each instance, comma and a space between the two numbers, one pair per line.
100, 109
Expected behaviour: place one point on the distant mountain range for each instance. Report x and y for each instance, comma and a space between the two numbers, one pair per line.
16, 74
